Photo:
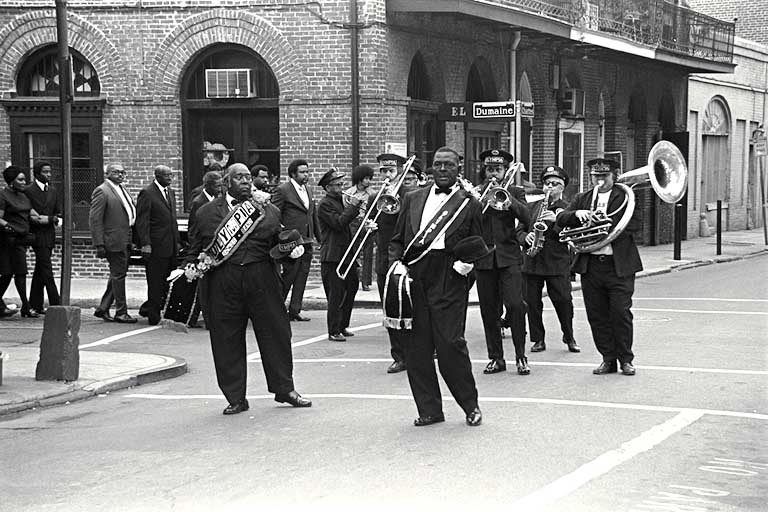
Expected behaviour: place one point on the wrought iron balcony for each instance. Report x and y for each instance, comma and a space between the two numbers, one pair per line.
655, 23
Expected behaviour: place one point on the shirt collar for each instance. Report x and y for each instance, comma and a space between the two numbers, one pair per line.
209, 196
162, 188
40, 184
296, 184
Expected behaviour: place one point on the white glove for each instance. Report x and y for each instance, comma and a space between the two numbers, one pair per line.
174, 274
463, 268
371, 225
298, 252
399, 269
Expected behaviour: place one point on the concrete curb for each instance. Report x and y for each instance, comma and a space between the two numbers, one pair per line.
176, 368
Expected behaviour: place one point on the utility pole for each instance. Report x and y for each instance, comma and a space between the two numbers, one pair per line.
66, 95
354, 40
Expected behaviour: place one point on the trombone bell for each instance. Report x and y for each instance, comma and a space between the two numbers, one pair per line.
665, 171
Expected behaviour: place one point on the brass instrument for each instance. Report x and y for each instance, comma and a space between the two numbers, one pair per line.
499, 197
390, 201
539, 228
665, 171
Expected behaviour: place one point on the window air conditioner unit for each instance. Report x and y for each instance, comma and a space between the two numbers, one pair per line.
573, 102
229, 83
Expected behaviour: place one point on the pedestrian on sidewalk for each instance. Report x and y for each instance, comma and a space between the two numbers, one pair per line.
607, 273
112, 214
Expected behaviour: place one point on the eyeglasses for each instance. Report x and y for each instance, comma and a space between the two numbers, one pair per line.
242, 177
552, 183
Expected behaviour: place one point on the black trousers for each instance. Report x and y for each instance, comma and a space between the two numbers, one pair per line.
238, 294
559, 291
608, 301
115, 292
440, 297
294, 275
507, 283
42, 279
397, 337
157, 271
340, 294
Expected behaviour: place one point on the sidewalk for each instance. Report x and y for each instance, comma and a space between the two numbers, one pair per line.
101, 372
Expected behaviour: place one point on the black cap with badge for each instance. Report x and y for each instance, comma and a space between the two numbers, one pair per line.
554, 171
332, 175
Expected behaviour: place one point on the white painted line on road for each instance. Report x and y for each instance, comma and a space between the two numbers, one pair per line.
543, 363
116, 337
501, 399
702, 299
567, 484
700, 311
256, 356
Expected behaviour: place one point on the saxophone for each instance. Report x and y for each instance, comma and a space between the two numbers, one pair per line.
539, 228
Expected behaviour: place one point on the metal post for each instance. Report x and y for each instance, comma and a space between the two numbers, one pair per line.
719, 229
355, 84
678, 231
761, 170
66, 93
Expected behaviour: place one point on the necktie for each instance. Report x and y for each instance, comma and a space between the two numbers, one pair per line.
167, 197
439, 190
130, 203
45, 188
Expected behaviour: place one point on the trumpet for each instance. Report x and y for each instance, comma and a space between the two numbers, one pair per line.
388, 201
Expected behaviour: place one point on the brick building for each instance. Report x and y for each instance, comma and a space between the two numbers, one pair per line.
157, 81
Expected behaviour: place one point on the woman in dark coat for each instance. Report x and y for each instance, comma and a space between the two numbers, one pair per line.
16, 213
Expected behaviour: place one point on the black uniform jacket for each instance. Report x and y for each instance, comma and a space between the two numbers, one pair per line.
386, 223
156, 221
409, 220
334, 220
626, 258
44, 203
499, 229
554, 259
195, 205
293, 212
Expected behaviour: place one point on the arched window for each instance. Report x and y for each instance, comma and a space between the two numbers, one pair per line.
418, 80
425, 132
39, 76
716, 118
226, 56
480, 83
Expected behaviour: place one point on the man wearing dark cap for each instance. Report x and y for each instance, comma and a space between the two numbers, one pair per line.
246, 286
550, 263
607, 273
499, 274
334, 220
391, 166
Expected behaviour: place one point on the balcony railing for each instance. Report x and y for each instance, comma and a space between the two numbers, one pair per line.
655, 23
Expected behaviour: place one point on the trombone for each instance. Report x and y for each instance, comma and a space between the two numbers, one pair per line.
499, 197
384, 203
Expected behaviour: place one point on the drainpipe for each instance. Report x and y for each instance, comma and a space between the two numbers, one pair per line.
515, 144
355, 84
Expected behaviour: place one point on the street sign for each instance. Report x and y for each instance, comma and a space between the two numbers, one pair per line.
761, 148
493, 110
526, 109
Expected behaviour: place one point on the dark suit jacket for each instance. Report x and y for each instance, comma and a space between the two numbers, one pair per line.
334, 220
466, 224
499, 229
293, 212
156, 223
44, 203
108, 219
196, 203
626, 258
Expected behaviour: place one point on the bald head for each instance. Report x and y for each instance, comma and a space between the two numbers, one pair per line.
163, 175
239, 181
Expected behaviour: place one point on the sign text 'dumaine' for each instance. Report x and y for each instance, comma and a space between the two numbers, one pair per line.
493, 110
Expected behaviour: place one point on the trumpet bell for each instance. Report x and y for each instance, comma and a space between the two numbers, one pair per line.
665, 172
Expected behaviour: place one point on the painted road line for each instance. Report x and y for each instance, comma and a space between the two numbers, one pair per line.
117, 337
700, 299
496, 399
569, 483
687, 311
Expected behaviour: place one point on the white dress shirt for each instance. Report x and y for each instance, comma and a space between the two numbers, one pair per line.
431, 207
302, 191
130, 208
602, 206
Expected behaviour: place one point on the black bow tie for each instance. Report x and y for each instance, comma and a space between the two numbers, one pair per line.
439, 190
235, 202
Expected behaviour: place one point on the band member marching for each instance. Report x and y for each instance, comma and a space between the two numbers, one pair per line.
499, 274
547, 260
607, 273
428, 242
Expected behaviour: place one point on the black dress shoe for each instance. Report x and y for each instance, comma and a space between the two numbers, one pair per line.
29, 313
153, 319
39, 311
495, 366
8, 312
522, 366
336, 337
103, 314
475, 417
539, 346
396, 367
423, 421
572, 346
627, 369
605, 367
125, 318
236, 408
298, 318
293, 398
347, 333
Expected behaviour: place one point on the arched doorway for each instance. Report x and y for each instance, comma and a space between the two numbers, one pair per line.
715, 171
425, 132
481, 86
229, 101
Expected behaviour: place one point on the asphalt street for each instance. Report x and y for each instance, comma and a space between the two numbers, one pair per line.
687, 433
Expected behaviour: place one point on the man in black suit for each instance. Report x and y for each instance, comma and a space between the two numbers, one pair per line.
499, 274
297, 210
439, 289
45, 202
246, 286
158, 233
551, 264
607, 273
334, 221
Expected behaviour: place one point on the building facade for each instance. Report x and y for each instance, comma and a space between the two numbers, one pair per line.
196, 82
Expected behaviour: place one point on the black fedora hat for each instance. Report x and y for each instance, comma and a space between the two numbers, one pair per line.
471, 249
287, 241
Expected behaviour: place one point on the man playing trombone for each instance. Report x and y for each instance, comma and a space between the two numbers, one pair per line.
499, 274
607, 273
